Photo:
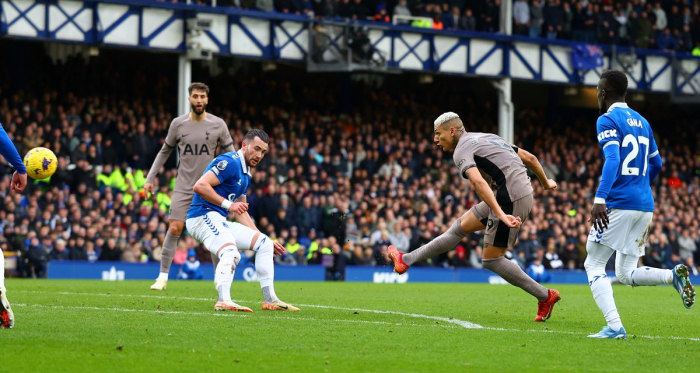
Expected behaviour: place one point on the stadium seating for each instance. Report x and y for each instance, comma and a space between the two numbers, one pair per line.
666, 25
339, 180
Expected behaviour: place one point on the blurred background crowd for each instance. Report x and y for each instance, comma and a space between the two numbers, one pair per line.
351, 169
672, 25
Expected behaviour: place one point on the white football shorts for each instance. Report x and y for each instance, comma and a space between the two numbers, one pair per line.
213, 231
628, 231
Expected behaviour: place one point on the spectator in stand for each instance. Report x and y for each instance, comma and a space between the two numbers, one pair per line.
685, 40
687, 248
265, 5
360, 11
623, 27
567, 21
536, 18
666, 41
489, 18
553, 19
286, 6
661, 22
455, 18
521, 17
381, 15
437, 20
645, 31
467, 22
446, 17
345, 9
401, 9
675, 20
607, 25
537, 270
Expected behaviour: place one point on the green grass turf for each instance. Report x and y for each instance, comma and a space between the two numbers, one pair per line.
95, 326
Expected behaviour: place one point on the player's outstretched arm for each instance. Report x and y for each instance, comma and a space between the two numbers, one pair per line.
158, 163
486, 194
8, 150
205, 188
599, 214
533, 164
655, 165
162, 157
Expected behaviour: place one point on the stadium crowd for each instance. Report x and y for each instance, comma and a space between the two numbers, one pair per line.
341, 181
667, 24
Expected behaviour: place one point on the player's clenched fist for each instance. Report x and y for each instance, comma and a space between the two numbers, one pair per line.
238, 207
279, 249
148, 188
512, 221
550, 185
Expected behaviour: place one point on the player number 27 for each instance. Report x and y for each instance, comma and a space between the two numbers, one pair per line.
630, 140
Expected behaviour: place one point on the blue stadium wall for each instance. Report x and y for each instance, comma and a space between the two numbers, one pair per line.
117, 271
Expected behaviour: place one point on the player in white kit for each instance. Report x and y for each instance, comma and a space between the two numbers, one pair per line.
624, 206
223, 188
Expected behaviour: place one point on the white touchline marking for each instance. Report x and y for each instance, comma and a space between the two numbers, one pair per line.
462, 323
226, 314
127, 310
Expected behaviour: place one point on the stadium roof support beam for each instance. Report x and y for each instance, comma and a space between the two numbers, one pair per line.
184, 79
506, 127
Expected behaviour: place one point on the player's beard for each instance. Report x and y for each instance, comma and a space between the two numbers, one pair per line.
194, 109
246, 159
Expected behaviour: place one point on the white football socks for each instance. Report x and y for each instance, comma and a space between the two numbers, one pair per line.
265, 268
223, 277
603, 295
598, 256
163, 276
648, 276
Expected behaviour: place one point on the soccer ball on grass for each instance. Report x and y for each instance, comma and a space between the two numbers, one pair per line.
41, 163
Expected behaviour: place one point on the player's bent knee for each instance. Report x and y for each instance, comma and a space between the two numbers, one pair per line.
594, 260
263, 244
176, 227
229, 256
625, 278
493, 252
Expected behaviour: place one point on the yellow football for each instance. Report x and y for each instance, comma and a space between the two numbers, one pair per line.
41, 163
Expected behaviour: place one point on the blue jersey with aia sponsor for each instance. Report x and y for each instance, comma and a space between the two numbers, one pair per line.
234, 179
627, 130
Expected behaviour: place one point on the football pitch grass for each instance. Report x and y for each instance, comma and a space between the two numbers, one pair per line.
95, 326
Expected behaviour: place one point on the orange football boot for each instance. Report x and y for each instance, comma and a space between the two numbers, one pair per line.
544, 309
279, 306
231, 306
397, 258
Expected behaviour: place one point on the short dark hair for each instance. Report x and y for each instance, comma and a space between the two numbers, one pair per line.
252, 134
196, 86
616, 82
